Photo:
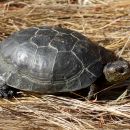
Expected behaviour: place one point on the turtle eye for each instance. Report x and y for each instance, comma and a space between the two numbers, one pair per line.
120, 70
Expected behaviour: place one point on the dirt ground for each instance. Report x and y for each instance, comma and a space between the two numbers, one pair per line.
105, 22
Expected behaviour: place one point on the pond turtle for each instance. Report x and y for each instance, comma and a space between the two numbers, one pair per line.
55, 59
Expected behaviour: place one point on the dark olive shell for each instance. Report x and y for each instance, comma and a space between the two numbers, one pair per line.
50, 59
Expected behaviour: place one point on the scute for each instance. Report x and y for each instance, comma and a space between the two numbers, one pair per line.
24, 35
63, 42
23, 56
28, 32
86, 78
43, 37
96, 68
66, 66
14, 80
8, 47
86, 52
73, 85
63, 30
80, 36
45, 27
42, 67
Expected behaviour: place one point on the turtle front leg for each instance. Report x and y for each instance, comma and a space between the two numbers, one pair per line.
7, 91
93, 90
128, 91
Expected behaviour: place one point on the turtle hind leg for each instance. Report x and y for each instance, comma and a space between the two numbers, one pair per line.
8, 92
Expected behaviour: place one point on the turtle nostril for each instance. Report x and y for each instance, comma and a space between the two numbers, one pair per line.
120, 70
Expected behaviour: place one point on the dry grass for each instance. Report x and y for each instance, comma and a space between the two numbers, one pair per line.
106, 23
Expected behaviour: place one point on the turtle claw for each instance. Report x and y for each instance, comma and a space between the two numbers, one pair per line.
7, 92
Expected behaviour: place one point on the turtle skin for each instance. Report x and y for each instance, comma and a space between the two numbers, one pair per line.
49, 60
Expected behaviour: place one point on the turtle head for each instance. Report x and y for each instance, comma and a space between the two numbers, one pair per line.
117, 71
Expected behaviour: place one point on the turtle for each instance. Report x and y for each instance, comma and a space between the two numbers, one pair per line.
53, 59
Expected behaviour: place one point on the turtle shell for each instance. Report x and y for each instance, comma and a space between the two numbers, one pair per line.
50, 59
